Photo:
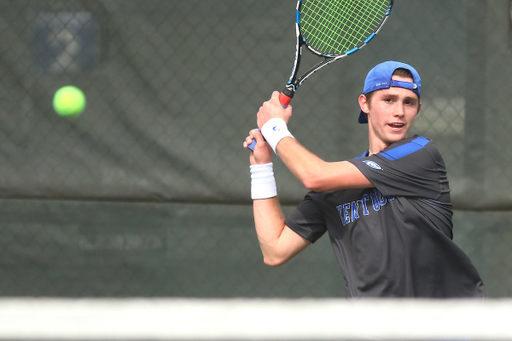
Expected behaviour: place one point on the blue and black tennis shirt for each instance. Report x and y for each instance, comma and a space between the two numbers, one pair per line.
394, 240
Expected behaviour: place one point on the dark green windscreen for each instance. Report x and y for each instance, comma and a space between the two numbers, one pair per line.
148, 192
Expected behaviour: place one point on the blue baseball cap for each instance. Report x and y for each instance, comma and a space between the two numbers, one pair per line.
380, 78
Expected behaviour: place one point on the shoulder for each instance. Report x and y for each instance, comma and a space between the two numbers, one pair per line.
408, 147
418, 150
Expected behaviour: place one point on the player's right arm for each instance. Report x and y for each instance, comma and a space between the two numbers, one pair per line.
277, 241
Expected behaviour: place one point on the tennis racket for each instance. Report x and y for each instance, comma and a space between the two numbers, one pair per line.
332, 29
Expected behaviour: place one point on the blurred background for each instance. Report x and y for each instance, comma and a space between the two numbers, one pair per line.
147, 193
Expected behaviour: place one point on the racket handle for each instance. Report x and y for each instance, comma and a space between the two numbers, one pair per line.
284, 99
253, 143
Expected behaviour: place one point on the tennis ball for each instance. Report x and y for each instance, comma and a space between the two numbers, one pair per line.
69, 101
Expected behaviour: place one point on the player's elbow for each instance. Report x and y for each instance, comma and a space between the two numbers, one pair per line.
313, 178
313, 183
273, 260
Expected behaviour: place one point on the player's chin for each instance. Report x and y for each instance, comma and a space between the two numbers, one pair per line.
395, 136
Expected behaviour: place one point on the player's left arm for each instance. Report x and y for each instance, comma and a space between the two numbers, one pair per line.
278, 242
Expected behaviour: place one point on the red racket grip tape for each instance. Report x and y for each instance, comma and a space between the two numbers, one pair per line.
284, 100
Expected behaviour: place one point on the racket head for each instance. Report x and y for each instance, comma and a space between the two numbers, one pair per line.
335, 28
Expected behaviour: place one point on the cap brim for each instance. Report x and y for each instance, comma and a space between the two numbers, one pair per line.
362, 117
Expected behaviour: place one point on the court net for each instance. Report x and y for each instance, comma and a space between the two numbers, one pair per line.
254, 319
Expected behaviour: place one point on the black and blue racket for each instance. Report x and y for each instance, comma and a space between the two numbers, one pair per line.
332, 29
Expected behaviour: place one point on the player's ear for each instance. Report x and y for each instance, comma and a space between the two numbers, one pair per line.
363, 103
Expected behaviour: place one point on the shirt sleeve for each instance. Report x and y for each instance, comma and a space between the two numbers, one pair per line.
307, 220
416, 171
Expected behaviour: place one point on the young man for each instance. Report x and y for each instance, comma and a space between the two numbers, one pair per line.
388, 213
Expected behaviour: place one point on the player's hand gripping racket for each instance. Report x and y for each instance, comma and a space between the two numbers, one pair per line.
332, 29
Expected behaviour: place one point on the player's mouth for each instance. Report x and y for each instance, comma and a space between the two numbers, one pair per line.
396, 126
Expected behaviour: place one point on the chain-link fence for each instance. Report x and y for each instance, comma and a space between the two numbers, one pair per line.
147, 192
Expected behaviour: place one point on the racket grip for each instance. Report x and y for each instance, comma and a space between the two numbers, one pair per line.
284, 100
253, 143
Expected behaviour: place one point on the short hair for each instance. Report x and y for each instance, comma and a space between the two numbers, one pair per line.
403, 73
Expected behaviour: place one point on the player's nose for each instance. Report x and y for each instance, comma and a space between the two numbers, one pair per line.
399, 109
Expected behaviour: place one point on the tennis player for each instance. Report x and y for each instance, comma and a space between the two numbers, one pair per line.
388, 212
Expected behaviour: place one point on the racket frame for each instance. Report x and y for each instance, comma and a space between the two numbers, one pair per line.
294, 82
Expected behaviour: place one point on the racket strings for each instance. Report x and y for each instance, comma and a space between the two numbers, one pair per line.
338, 26
335, 27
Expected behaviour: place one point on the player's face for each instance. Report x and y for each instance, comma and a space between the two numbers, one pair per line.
391, 113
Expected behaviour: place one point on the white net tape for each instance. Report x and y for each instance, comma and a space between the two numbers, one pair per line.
254, 319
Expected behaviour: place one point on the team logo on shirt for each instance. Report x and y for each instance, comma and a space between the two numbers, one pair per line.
372, 164
352, 211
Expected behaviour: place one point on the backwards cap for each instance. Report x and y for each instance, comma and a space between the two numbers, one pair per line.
380, 78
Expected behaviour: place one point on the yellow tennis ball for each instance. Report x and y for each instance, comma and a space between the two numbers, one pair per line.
69, 101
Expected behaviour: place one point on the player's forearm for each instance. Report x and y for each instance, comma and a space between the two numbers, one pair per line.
304, 165
269, 223
278, 242
316, 174
268, 216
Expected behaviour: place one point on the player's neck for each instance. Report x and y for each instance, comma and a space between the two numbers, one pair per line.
376, 148
377, 145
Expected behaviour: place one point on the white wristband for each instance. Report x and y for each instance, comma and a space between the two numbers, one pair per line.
274, 131
263, 183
